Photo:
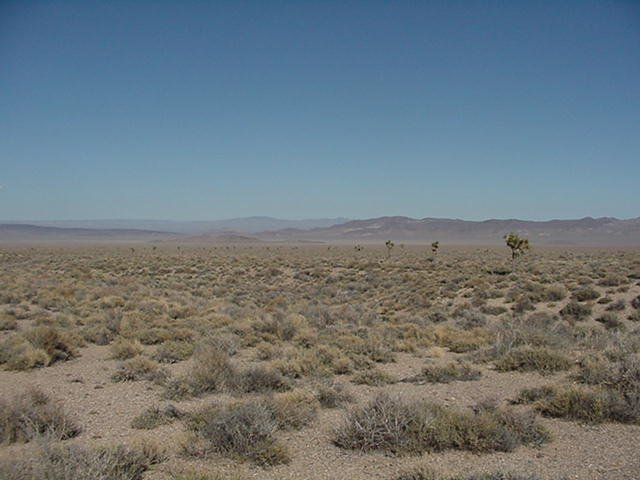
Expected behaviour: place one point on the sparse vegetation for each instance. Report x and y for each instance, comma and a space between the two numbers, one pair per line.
271, 338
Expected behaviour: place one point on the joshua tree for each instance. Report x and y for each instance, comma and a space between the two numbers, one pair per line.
519, 246
434, 247
358, 248
389, 244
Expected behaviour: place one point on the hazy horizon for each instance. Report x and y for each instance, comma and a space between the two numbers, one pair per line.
195, 111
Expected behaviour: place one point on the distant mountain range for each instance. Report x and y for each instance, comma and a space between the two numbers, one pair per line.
587, 231
246, 225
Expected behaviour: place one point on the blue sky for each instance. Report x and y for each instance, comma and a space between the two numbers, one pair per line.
205, 110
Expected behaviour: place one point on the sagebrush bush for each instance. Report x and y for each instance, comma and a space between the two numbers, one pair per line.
393, 425
33, 414
245, 431
76, 462
124, 348
155, 416
613, 394
173, 351
575, 311
139, 368
538, 359
461, 371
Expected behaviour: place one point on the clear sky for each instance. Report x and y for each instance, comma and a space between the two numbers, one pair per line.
204, 110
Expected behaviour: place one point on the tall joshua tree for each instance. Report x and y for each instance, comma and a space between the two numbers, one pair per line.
389, 244
518, 245
434, 247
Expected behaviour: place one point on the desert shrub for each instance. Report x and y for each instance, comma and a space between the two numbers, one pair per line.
293, 410
575, 311
261, 379
613, 396
494, 310
585, 294
33, 414
572, 402
461, 371
635, 303
42, 346
610, 321
173, 351
554, 293
190, 474
527, 358
155, 416
54, 462
245, 431
211, 371
331, 394
18, 354
616, 306
154, 335
613, 281
393, 425
372, 377
634, 316
468, 319
7, 322
460, 341
426, 473
123, 349
139, 368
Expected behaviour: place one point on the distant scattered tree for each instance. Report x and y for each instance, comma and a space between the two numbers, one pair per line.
434, 247
389, 244
154, 248
358, 248
518, 245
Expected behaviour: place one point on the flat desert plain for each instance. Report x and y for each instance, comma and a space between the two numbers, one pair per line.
318, 362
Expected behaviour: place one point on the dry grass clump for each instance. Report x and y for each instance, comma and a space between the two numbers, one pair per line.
53, 462
527, 359
124, 349
33, 414
155, 416
139, 368
37, 347
7, 322
394, 425
293, 410
373, 377
244, 431
212, 371
612, 394
331, 394
173, 351
611, 321
574, 311
426, 473
452, 371
586, 294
